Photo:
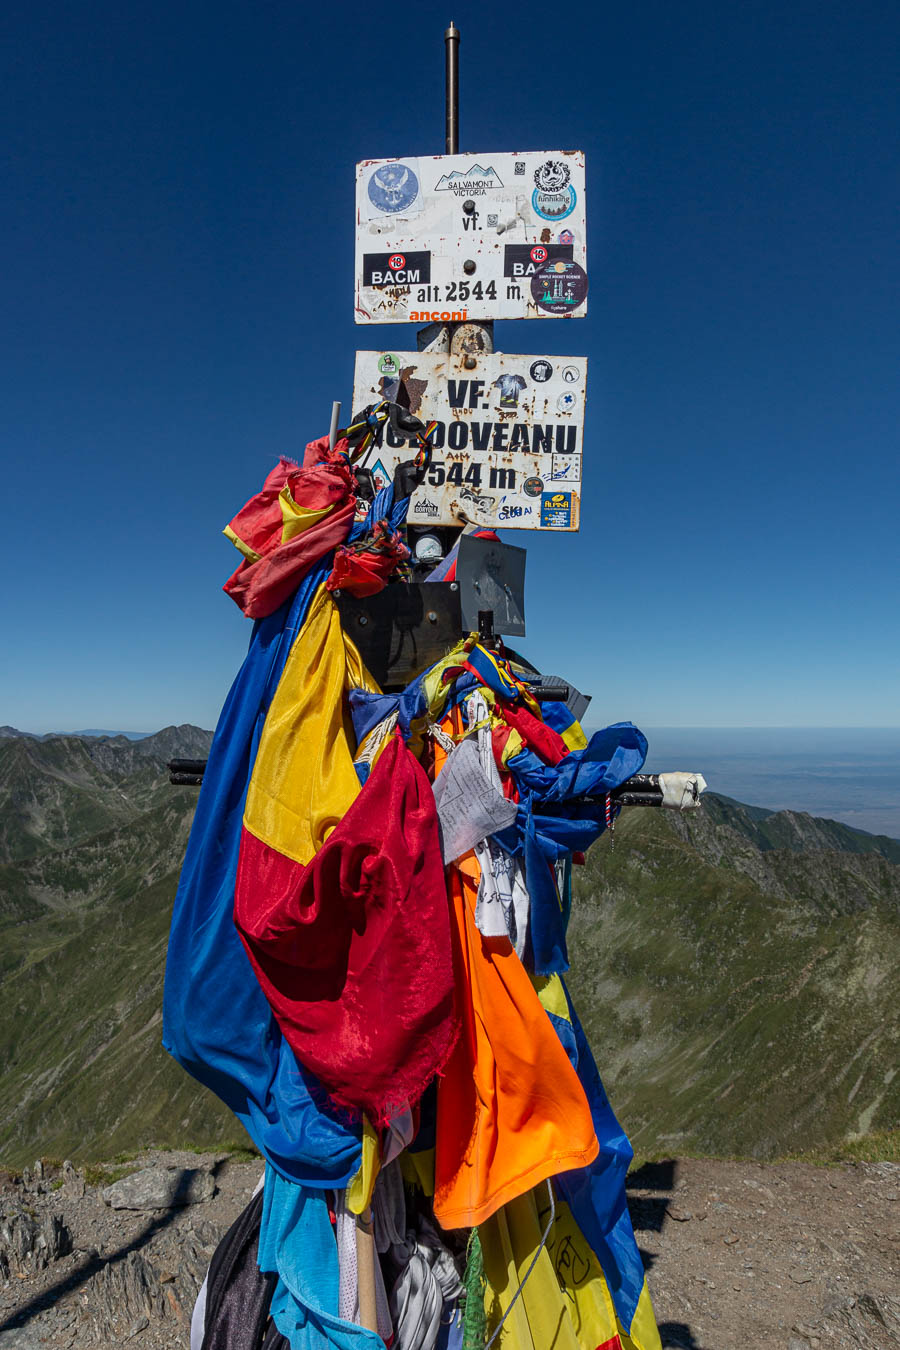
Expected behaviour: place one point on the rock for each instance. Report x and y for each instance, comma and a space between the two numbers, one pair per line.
28, 1337
678, 1214
801, 1277
73, 1182
161, 1188
121, 1295
730, 1239
27, 1246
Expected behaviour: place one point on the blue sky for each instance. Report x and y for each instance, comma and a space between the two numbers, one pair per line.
177, 231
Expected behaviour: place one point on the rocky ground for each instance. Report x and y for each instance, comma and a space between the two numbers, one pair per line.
739, 1256
744, 1256
76, 1269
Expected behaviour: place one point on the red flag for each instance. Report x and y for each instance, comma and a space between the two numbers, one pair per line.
353, 949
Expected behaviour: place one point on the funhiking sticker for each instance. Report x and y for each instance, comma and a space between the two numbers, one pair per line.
554, 196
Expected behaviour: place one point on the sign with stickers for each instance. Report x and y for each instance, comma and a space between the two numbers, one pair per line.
446, 238
507, 449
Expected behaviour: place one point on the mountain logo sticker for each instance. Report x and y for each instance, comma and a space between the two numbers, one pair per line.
473, 183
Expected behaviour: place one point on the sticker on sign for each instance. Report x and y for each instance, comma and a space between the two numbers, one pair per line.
456, 237
508, 444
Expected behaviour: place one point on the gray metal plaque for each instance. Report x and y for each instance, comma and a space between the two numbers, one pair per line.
491, 576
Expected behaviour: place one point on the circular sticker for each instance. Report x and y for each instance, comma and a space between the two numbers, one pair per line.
388, 365
541, 371
567, 402
553, 197
533, 487
538, 254
396, 262
571, 374
552, 176
559, 287
393, 188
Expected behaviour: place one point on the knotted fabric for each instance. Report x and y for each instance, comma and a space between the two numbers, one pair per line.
340, 897
297, 517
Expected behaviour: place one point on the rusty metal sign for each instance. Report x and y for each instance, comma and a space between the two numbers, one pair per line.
507, 449
446, 238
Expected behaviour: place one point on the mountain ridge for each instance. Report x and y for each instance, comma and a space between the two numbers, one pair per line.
731, 966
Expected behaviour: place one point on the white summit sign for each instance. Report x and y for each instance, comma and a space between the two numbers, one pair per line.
507, 447
446, 238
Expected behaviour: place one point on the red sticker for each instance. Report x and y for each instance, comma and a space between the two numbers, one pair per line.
538, 254
396, 262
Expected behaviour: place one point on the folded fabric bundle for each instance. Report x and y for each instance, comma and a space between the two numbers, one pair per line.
365, 964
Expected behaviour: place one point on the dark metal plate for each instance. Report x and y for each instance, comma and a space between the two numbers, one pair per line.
403, 629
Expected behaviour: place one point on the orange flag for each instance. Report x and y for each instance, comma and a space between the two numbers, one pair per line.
510, 1108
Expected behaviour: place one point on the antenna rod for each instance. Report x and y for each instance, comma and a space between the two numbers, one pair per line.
451, 43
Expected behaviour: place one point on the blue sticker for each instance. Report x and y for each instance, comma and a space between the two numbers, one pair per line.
556, 510
554, 205
380, 475
553, 197
393, 188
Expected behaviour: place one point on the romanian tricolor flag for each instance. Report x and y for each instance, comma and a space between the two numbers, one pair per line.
325, 967
340, 897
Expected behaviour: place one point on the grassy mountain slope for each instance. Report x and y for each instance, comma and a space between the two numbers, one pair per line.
62, 789
733, 968
740, 999
83, 931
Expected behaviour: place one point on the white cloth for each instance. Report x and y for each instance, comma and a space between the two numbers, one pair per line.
426, 1290
373, 742
502, 905
401, 1129
682, 790
348, 1273
198, 1316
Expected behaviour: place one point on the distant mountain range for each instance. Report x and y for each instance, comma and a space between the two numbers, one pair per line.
90, 732
735, 969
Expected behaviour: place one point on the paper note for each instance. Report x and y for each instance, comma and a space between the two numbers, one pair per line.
469, 806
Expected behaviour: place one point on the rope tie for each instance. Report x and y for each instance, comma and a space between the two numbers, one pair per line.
534, 1260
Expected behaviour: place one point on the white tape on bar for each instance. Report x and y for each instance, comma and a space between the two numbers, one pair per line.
681, 790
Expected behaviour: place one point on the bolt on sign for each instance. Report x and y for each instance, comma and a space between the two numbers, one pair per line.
507, 448
446, 238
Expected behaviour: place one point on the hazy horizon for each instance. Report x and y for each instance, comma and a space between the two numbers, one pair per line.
851, 774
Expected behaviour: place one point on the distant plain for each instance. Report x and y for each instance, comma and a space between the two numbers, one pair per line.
851, 774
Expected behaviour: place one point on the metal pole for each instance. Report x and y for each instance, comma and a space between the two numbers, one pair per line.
451, 43
435, 337
335, 421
